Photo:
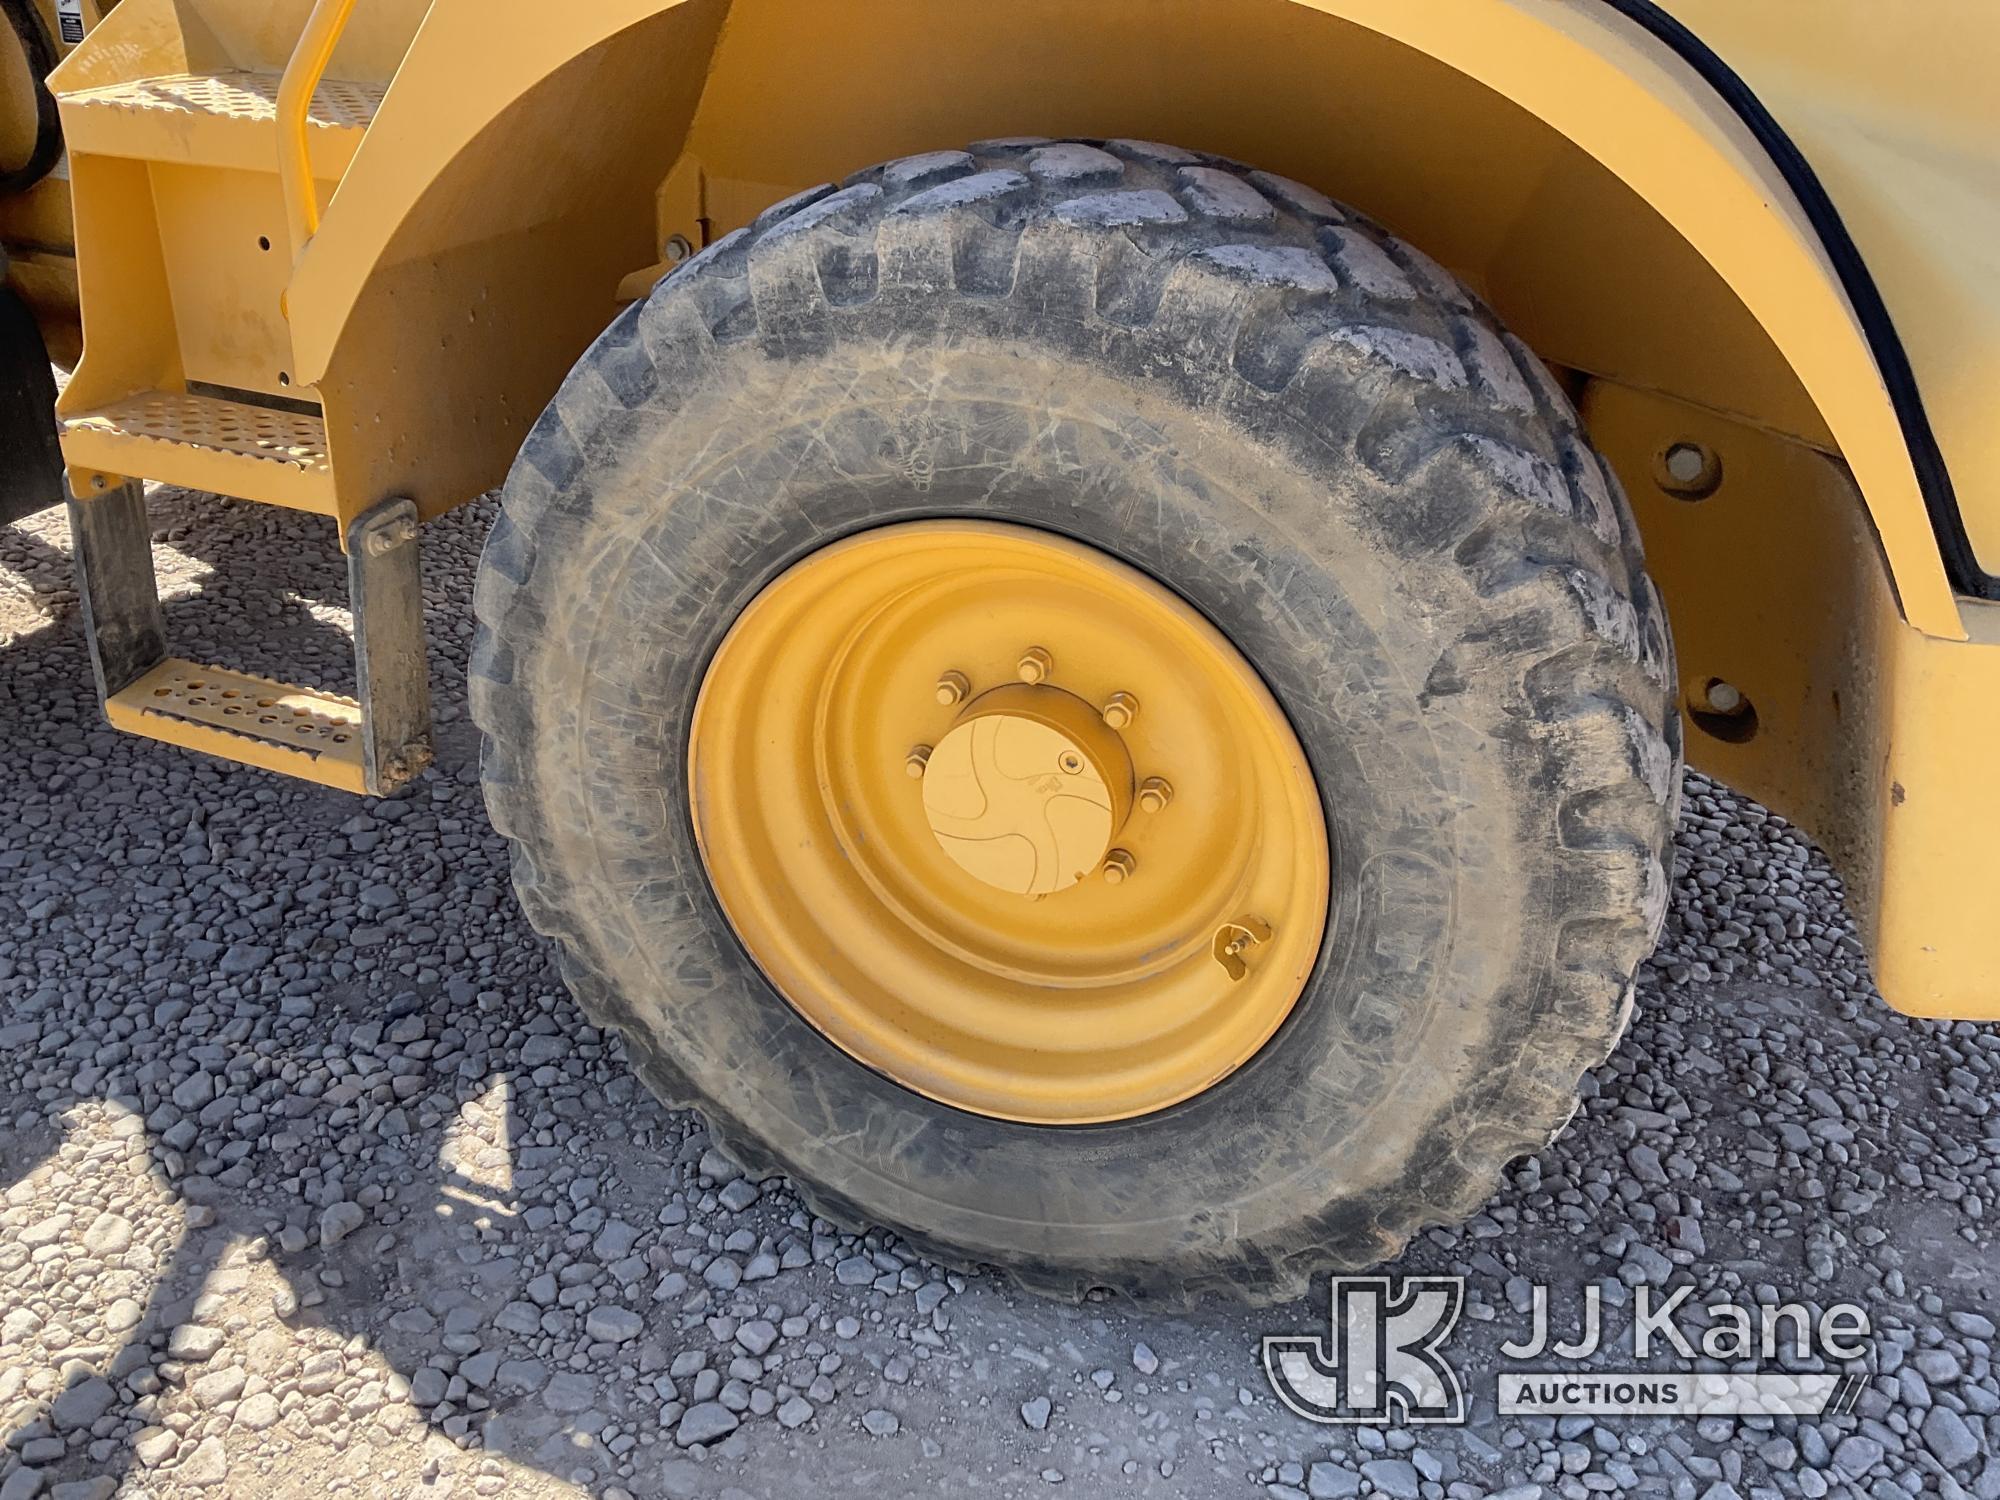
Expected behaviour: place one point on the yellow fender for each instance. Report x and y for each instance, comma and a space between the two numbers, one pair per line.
511, 115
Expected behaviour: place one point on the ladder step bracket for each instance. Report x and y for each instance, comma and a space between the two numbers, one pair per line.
372, 743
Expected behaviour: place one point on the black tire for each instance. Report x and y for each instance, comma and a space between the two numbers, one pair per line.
31, 477
1317, 437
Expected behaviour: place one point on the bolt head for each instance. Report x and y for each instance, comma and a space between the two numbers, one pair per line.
1725, 697
1690, 470
916, 761
1036, 665
1685, 462
1119, 867
952, 688
1155, 792
1120, 709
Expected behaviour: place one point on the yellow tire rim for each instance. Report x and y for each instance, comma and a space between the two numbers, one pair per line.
1008, 822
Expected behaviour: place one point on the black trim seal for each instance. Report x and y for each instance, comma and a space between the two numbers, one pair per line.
1892, 362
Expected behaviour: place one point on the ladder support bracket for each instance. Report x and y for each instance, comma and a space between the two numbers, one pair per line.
373, 743
392, 672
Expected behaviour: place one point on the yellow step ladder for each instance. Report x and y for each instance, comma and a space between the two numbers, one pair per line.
206, 139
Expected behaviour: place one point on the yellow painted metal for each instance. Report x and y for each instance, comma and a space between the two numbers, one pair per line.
35, 225
296, 91
1005, 985
171, 112
496, 208
222, 119
1026, 789
203, 443
252, 720
1873, 737
1898, 114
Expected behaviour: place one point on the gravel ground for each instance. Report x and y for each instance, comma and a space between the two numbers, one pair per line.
314, 1180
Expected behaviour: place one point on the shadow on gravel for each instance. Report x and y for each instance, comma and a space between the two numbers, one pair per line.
289, 1084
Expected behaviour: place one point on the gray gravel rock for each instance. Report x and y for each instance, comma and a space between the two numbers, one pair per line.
1950, 1441
613, 1325
82, 1404
704, 1424
338, 1221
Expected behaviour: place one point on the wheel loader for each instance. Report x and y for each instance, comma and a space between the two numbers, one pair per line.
1096, 609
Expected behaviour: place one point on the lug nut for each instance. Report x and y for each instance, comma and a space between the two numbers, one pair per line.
1119, 866
952, 688
915, 762
1036, 665
1155, 792
1120, 709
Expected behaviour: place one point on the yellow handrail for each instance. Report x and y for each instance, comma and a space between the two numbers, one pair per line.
295, 92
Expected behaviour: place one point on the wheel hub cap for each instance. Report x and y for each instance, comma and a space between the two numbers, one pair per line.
1027, 789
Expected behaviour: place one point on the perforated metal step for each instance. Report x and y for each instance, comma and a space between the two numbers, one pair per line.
373, 742
294, 730
205, 443
216, 119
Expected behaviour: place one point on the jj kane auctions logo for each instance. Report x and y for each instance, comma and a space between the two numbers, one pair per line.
1383, 1359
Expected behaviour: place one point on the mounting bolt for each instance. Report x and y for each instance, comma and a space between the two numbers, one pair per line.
389, 536
952, 688
1119, 866
1120, 709
1689, 470
97, 481
1155, 792
677, 249
1725, 697
1036, 665
915, 762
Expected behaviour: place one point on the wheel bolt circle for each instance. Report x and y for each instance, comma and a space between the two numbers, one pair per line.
916, 761
952, 688
1119, 867
1155, 792
1120, 709
1036, 665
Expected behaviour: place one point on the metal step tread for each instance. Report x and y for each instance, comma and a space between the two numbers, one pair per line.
216, 120
294, 730
239, 95
206, 442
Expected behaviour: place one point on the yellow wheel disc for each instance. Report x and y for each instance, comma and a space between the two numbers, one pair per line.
1009, 822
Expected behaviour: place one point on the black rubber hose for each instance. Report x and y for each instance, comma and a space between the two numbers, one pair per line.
39, 48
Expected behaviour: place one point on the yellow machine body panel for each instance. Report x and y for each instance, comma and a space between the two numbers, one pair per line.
510, 169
